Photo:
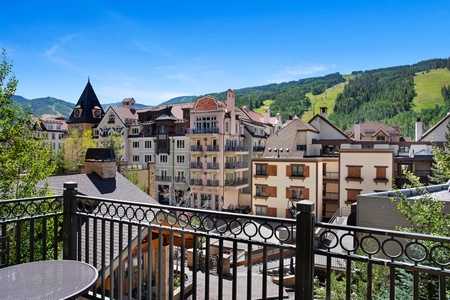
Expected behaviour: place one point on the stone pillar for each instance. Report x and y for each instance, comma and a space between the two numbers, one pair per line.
164, 259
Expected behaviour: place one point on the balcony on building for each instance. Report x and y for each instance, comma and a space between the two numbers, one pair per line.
236, 165
180, 179
212, 166
196, 165
196, 182
205, 131
196, 148
212, 148
211, 182
163, 178
236, 148
236, 183
259, 148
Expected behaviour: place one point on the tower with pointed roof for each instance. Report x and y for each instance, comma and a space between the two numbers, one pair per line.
88, 111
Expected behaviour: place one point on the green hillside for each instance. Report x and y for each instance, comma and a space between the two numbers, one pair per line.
428, 87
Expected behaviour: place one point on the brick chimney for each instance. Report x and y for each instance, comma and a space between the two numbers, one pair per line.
101, 161
323, 112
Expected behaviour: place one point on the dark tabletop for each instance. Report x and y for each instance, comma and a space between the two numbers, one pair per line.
51, 279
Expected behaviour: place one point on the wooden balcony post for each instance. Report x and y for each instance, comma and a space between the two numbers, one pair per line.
69, 222
304, 267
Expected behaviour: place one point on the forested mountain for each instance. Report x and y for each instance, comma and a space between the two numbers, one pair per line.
47, 105
289, 97
386, 96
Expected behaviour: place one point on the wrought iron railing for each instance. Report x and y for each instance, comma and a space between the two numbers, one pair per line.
136, 246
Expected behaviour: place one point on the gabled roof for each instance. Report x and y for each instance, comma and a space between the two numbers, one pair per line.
322, 118
124, 113
371, 128
438, 124
285, 138
87, 102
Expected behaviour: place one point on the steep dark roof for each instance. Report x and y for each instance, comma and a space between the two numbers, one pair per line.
87, 102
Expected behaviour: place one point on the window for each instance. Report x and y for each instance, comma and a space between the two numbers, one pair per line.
53, 136
261, 210
381, 174
297, 170
147, 158
380, 138
147, 144
162, 129
135, 158
367, 146
180, 144
351, 195
226, 127
163, 159
353, 173
180, 159
301, 147
404, 149
261, 190
135, 131
135, 144
111, 118
261, 169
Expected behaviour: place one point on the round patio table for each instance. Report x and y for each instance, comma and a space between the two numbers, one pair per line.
50, 279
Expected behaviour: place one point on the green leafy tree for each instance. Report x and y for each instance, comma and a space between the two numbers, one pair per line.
74, 148
116, 142
426, 215
25, 158
132, 176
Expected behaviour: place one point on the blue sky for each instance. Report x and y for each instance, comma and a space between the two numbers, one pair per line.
156, 50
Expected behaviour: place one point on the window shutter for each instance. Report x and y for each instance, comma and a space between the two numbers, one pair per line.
271, 191
305, 192
306, 171
288, 170
288, 192
271, 212
271, 170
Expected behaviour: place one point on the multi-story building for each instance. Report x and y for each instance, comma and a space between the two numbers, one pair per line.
54, 130
218, 152
159, 135
332, 169
122, 120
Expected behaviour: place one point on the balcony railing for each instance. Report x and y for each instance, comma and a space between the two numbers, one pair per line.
202, 130
163, 178
211, 182
196, 181
236, 165
196, 165
213, 148
196, 148
212, 165
236, 182
180, 179
236, 148
141, 249
259, 148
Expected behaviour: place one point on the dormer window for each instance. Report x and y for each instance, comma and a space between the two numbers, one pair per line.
96, 113
111, 118
77, 112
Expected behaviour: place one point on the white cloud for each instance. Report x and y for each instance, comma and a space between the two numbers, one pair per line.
290, 73
52, 51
